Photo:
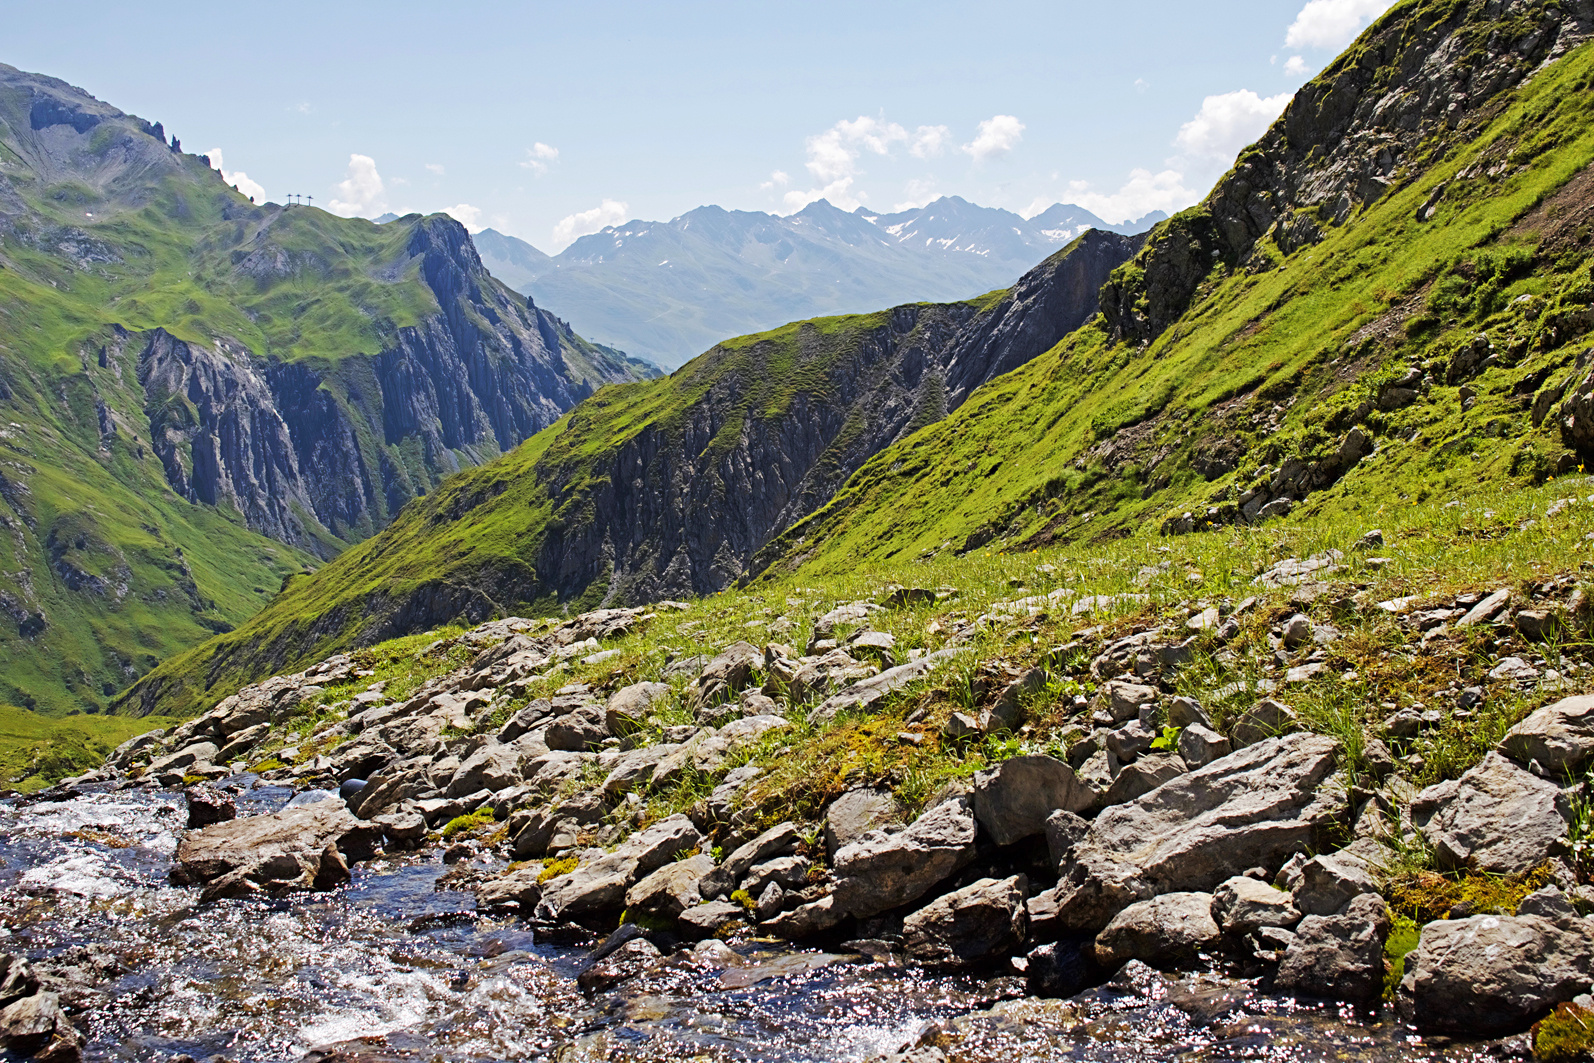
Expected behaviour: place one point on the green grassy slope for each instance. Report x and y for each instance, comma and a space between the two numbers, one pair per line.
108, 236
486, 540
1096, 440
36, 751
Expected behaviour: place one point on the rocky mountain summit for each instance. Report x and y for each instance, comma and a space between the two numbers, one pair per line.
202, 395
1087, 774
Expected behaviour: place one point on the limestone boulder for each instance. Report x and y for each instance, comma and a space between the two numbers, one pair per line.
1243, 905
1340, 956
1013, 800
1255, 807
1558, 737
1490, 975
1498, 818
855, 813
1165, 932
305, 847
670, 890
882, 871
983, 921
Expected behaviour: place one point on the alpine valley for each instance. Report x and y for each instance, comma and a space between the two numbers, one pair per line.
1183, 651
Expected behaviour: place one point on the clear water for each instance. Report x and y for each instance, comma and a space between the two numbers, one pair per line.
390, 968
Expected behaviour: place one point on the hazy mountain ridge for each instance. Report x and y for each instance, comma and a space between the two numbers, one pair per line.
669, 290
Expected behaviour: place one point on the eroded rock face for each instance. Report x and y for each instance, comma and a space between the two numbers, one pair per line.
1252, 808
983, 921
307, 847
1497, 818
1493, 974
883, 871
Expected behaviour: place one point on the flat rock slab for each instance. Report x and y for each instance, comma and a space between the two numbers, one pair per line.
1255, 807
1497, 818
295, 848
1558, 737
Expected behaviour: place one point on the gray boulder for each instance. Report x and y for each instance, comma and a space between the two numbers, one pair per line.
305, 847
1200, 745
1252, 808
1497, 818
1340, 956
623, 964
806, 920
1243, 905
670, 890
36, 1028
882, 871
1184, 712
710, 920
17, 978
628, 707
1013, 799
1064, 830
781, 838
1165, 932
581, 729
1558, 737
856, 813
520, 887
494, 767
1490, 975
983, 921
600, 885
788, 872
1142, 777
1267, 719
727, 675
635, 768
1328, 883
1056, 969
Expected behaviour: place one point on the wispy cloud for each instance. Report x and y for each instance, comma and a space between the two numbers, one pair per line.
538, 157
997, 135
833, 159
929, 141
609, 212
1141, 194
435, 167
919, 193
778, 179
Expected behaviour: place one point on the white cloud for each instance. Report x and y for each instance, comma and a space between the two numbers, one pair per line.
833, 159
435, 167
1227, 123
1332, 23
468, 216
1143, 193
237, 178
1141, 84
778, 179
1296, 67
360, 193
919, 193
997, 135
929, 140
538, 156
609, 212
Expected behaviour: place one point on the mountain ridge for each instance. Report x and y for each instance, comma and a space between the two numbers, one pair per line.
669, 290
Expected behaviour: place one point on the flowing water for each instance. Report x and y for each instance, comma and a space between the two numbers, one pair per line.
389, 967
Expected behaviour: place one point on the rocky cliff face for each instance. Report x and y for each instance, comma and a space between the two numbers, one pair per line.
307, 456
1345, 140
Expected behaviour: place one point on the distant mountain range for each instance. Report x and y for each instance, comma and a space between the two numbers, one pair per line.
667, 291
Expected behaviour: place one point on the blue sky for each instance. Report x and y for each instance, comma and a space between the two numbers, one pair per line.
550, 120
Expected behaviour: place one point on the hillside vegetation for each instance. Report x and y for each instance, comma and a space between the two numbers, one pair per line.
200, 396
1380, 304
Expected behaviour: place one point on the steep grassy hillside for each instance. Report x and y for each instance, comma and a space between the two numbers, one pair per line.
658, 488
1381, 304
1439, 323
200, 396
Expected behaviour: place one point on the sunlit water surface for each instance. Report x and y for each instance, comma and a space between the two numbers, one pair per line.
390, 968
